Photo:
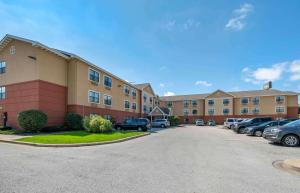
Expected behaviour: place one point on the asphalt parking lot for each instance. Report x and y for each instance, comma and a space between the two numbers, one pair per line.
187, 159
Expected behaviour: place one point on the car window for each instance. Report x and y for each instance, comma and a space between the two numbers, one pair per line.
293, 123
229, 120
283, 123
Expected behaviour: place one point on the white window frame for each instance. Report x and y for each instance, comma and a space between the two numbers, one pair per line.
186, 110
95, 92
3, 66
214, 110
283, 107
135, 106
124, 88
242, 101
104, 81
195, 110
255, 112
280, 96
106, 95
3, 92
208, 100
94, 71
225, 99
125, 103
169, 102
244, 108
133, 90
12, 50
258, 100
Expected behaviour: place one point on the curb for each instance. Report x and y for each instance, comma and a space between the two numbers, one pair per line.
76, 144
293, 164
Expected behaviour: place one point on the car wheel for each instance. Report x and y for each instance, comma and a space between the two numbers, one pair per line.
241, 130
290, 140
258, 133
162, 126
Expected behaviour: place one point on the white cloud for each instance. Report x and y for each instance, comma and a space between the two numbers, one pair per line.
264, 74
237, 22
169, 93
162, 85
190, 23
203, 83
295, 70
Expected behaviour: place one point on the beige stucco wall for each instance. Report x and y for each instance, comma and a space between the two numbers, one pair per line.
292, 101
78, 91
219, 106
178, 107
19, 67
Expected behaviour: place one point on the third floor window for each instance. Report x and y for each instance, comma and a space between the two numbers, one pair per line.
107, 81
94, 76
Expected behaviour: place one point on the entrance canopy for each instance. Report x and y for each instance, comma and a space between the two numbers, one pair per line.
158, 112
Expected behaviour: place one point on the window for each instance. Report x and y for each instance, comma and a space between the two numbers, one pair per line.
126, 90
94, 76
126, 104
255, 110
279, 99
2, 67
244, 110
12, 50
94, 97
107, 100
108, 117
244, 101
211, 111
211, 102
133, 92
255, 100
2, 92
150, 99
195, 112
185, 112
107, 81
194, 103
145, 97
145, 109
133, 106
226, 102
150, 109
169, 104
186, 103
279, 109
226, 111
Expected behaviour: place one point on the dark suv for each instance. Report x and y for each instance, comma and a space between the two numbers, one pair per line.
139, 124
241, 126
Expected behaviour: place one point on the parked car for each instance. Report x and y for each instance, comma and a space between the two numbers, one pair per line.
241, 126
200, 122
163, 123
211, 123
229, 122
288, 134
140, 124
259, 129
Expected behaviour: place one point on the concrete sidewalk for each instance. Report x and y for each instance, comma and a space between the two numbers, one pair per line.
12, 137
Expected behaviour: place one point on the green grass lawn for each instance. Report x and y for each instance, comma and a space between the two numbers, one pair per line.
73, 137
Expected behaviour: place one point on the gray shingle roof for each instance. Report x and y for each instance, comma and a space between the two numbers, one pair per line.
238, 94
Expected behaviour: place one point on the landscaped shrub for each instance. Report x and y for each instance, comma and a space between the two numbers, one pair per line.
174, 120
32, 120
97, 124
73, 121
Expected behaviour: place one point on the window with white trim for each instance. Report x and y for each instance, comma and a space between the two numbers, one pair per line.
194, 103
255, 100
145, 97
107, 100
211, 111
126, 104
244, 111
244, 101
133, 92
185, 112
12, 50
226, 102
94, 97
169, 103
2, 93
226, 111
126, 90
255, 110
107, 81
195, 112
133, 106
2, 67
108, 117
144, 108
211, 102
186, 103
94, 76
279, 99
279, 109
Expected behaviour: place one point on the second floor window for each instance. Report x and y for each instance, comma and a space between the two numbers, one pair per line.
195, 112
225, 102
186, 103
226, 111
126, 105
244, 110
255, 100
94, 97
279, 109
2, 67
94, 76
145, 97
185, 112
107, 100
211, 111
145, 109
107, 81
244, 101
169, 104
211, 102
2, 92
126, 90
279, 99
194, 102
255, 110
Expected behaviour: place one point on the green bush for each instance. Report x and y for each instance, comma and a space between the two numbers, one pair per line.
73, 121
96, 124
174, 120
32, 120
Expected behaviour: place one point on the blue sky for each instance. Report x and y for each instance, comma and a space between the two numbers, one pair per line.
180, 47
